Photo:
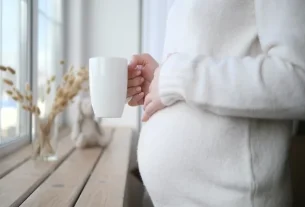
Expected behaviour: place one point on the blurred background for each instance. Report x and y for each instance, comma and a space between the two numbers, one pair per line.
35, 35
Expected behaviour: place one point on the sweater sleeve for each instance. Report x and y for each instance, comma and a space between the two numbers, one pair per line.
270, 85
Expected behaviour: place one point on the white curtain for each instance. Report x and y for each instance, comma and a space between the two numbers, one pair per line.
153, 25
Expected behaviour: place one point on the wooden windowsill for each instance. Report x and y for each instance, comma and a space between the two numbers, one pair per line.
90, 177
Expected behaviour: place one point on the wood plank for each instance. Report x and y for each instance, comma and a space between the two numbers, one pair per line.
7, 164
20, 183
63, 187
106, 186
12, 161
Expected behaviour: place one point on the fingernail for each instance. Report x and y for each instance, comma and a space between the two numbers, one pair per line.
138, 89
141, 94
138, 72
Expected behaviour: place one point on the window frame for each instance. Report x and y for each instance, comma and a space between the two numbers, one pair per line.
17, 142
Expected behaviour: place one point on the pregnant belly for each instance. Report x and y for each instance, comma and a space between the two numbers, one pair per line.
181, 141
190, 154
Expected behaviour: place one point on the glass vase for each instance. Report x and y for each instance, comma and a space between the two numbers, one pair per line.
45, 139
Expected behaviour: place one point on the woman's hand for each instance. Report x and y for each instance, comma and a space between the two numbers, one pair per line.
140, 74
152, 102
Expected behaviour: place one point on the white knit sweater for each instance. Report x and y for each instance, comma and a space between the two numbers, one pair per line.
232, 89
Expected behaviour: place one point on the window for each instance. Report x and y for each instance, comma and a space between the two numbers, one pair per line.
14, 47
29, 30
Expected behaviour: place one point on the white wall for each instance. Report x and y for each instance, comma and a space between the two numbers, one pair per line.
154, 26
103, 28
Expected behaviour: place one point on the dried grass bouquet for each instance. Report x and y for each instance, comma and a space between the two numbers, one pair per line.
70, 86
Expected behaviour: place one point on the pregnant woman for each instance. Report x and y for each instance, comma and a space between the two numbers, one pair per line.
219, 108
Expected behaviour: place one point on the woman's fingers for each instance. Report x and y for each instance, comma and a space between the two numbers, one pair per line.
133, 91
145, 117
145, 87
141, 102
137, 81
147, 101
132, 73
137, 100
134, 82
150, 109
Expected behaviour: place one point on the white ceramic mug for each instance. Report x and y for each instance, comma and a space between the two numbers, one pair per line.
108, 78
